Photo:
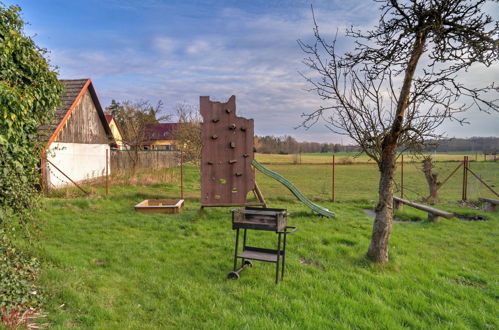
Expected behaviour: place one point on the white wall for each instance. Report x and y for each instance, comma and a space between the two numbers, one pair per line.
77, 160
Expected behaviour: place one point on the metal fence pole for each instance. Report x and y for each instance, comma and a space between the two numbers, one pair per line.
181, 174
43, 165
465, 178
402, 177
332, 182
107, 172
67, 177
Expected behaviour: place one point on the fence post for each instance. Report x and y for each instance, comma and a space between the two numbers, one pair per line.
43, 164
402, 177
465, 178
107, 171
181, 174
332, 182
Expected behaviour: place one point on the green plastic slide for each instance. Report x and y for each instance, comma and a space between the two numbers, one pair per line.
276, 176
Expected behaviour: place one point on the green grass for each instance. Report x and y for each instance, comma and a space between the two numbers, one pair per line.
360, 181
353, 157
169, 271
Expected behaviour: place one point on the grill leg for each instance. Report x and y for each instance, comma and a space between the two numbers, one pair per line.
235, 250
244, 246
283, 257
278, 258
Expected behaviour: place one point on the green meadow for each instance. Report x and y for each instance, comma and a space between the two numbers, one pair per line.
352, 157
106, 266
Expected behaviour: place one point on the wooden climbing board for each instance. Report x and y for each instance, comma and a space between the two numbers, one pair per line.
227, 154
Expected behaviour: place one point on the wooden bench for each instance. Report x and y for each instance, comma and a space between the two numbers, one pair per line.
489, 204
433, 213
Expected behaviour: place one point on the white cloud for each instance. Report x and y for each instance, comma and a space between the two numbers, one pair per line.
164, 45
255, 57
198, 47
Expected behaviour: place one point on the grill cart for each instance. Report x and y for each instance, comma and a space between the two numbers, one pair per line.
260, 219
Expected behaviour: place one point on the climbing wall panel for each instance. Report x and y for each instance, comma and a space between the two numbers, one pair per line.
227, 154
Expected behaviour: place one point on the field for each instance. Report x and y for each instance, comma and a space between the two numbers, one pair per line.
351, 157
360, 181
109, 267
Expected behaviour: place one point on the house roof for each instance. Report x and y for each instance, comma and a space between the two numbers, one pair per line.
74, 90
161, 131
109, 118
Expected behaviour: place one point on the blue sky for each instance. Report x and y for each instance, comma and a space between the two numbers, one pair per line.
178, 50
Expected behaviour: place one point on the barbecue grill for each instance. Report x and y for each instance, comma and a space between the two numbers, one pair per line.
260, 219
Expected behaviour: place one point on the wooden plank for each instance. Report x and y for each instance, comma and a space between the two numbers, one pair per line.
159, 206
256, 255
489, 200
425, 208
258, 192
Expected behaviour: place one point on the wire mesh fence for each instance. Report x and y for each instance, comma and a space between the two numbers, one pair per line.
63, 171
359, 181
353, 179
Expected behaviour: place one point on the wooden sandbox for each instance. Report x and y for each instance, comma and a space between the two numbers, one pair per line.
160, 206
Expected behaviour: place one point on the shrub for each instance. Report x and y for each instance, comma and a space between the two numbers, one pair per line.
29, 93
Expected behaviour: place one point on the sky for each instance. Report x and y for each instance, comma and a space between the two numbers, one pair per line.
176, 51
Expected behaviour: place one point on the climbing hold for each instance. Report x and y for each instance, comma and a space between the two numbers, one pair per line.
239, 174
245, 155
232, 161
227, 110
215, 120
243, 129
232, 127
232, 145
214, 137
210, 163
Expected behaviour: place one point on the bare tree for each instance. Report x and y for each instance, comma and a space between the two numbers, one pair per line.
400, 82
134, 118
188, 133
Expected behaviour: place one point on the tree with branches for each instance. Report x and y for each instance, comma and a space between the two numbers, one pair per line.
400, 82
134, 119
188, 132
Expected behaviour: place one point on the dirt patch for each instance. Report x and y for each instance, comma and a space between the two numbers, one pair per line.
100, 262
313, 263
471, 217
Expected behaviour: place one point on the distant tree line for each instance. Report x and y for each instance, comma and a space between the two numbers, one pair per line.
288, 145
487, 145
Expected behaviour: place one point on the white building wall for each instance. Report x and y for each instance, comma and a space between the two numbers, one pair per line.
77, 160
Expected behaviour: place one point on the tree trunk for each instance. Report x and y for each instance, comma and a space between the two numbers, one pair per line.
433, 193
382, 228
432, 179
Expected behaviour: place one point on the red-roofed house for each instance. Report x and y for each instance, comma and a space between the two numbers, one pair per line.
77, 139
161, 136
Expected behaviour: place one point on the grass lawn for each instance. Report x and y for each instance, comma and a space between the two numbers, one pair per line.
351, 157
109, 267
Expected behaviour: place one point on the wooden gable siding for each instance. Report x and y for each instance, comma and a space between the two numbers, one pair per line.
84, 125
